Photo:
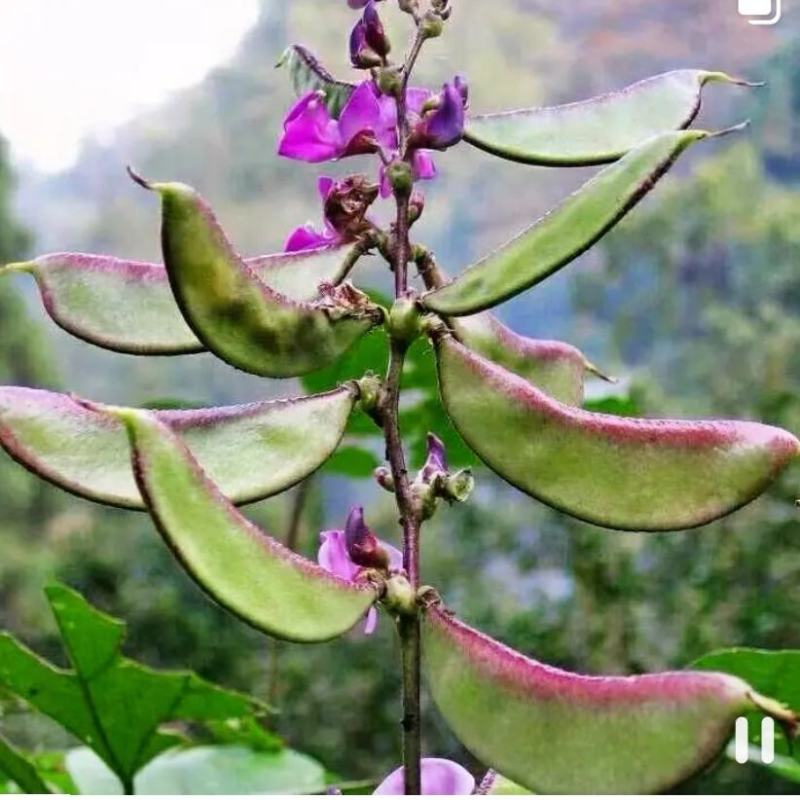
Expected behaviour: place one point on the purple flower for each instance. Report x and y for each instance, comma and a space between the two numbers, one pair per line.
307, 237
357, 3
311, 134
439, 776
444, 126
436, 462
345, 205
341, 552
368, 43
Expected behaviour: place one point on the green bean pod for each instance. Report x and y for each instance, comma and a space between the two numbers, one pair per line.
556, 732
565, 233
557, 368
598, 130
236, 315
623, 473
241, 567
128, 307
250, 451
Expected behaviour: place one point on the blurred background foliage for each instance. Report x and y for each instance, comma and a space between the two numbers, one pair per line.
693, 302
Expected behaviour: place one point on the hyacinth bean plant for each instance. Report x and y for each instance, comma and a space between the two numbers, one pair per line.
515, 401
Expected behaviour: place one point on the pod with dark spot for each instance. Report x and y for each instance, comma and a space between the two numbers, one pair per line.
240, 566
556, 732
128, 306
624, 473
598, 130
251, 451
235, 314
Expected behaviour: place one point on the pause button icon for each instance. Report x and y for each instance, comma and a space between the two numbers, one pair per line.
742, 750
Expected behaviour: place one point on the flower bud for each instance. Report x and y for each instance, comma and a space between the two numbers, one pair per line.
390, 80
442, 123
383, 476
431, 25
400, 177
404, 320
363, 546
369, 45
458, 487
436, 461
416, 205
409, 6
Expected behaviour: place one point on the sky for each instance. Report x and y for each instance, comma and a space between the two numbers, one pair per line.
71, 69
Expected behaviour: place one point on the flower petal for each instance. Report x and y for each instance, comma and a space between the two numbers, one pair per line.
309, 132
371, 621
439, 776
306, 237
333, 557
424, 168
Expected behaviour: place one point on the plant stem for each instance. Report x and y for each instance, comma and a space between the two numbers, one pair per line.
410, 517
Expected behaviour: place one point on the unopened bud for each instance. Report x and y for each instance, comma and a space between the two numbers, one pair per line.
384, 479
416, 205
458, 487
404, 320
389, 80
431, 25
362, 545
400, 177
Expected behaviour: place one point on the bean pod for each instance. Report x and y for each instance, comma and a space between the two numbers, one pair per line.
624, 473
557, 732
562, 235
598, 130
128, 306
236, 315
251, 451
240, 566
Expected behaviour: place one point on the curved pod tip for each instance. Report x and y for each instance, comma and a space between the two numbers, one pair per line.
557, 732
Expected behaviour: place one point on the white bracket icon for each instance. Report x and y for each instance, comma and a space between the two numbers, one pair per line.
768, 12
742, 748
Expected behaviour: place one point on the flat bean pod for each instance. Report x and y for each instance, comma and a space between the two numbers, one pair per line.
557, 368
236, 315
128, 306
557, 732
562, 235
598, 130
623, 473
250, 451
240, 566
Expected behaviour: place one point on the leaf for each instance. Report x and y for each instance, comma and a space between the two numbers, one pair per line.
557, 732
207, 770
251, 451
622, 473
128, 306
783, 766
598, 130
240, 566
308, 75
353, 462
565, 233
18, 769
775, 673
112, 704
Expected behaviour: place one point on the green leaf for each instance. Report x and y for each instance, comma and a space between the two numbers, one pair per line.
565, 233
557, 732
598, 130
112, 704
503, 786
240, 566
18, 769
251, 451
208, 770
128, 306
308, 75
783, 766
622, 473
353, 462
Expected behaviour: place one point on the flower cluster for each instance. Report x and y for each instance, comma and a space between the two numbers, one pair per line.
368, 125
